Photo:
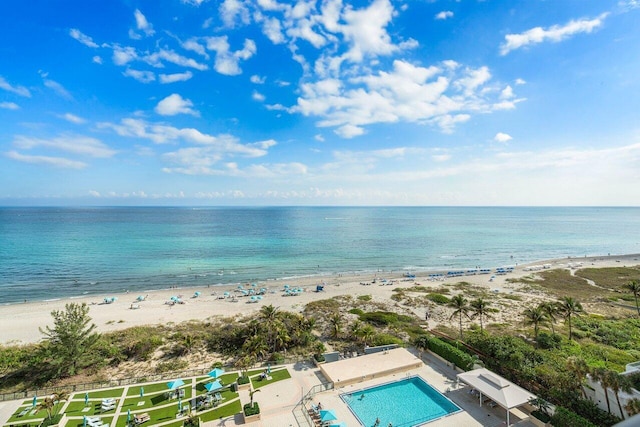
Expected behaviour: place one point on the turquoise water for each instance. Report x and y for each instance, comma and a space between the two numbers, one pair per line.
63, 252
406, 403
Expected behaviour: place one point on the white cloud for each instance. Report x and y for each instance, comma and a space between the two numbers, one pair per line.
445, 14
141, 76
124, 55
257, 79
155, 59
76, 144
46, 160
177, 77
502, 137
82, 38
194, 2
349, 131
520, 82
227, 61
318, 137
9, 105
73, 118
58, 89
18, 90
96, 59
441, 157
257, 96
142, 24
507, 93
174, 104
555, 33
232, 11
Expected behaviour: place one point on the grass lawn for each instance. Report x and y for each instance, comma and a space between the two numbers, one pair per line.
153, 388
224, 411
279, 375
80, 422
101, 394
76, 407
225, 379
27, 417
153, 400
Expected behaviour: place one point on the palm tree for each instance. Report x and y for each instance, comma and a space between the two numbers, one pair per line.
551, 310
366, 333
578, 366
336, 323
632, 407
568, 308
535, 316
47, 404
58, 397
634, 287
251, 393
461, 308
618, 383
480, 308
602, 376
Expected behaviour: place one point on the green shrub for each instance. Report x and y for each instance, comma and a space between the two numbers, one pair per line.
446, 351
545, 418
438, 298
547, 340
319, 357
51, 421
385, 339
364, 297
356, 311
251, 410
171, 365
565, 418
243, 380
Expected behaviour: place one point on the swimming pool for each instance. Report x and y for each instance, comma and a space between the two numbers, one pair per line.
406, 403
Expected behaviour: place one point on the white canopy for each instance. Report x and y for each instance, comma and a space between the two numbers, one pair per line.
500, 390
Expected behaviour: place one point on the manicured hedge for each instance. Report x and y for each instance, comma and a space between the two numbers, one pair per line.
446, 351
565, 418
249, 410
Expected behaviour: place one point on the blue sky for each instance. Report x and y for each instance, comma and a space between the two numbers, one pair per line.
267, 102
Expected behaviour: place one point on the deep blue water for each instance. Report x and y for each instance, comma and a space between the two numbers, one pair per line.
60, 252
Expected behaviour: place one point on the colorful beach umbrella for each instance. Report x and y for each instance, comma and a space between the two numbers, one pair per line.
213, 386
216, 372
86, 399
175, 384
327, 415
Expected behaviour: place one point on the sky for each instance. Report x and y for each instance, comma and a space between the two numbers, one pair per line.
271, 102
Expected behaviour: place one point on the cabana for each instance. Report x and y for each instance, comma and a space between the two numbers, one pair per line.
500, 390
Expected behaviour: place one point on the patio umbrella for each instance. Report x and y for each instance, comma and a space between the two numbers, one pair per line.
215, 373
338, 425
213, 386
35, 400
84, 421
86, 399
128, 416
327, 415
268, 368
179, 405
141, 391
175, 384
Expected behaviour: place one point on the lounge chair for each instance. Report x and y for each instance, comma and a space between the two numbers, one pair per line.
25, 411
142, 418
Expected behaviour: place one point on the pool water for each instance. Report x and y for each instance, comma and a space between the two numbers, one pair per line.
406, 403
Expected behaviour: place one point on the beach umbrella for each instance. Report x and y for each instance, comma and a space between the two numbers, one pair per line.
338, 425
197, 294
179, 405
35, 400
84, 421
254, 284
213, 386
86, 399
327, 415
215, 373
268, 368
226, 294
175, 384
141, 391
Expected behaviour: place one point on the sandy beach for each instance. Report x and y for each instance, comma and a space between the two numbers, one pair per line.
20, 323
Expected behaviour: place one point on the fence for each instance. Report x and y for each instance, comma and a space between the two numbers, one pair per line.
301, 408
119, 382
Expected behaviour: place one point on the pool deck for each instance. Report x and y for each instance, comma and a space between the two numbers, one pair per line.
278, 400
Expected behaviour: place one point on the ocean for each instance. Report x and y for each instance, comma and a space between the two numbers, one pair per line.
48, 253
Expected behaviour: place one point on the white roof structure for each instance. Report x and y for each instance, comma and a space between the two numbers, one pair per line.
500, 390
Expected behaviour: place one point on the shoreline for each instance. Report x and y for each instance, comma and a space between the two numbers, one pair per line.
20, 322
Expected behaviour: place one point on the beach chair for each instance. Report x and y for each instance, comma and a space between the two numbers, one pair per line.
24, 412
141, 419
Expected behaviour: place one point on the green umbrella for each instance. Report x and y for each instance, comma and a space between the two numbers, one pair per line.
128, 415
86, 399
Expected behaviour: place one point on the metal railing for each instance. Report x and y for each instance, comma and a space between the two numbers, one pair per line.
301, 406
